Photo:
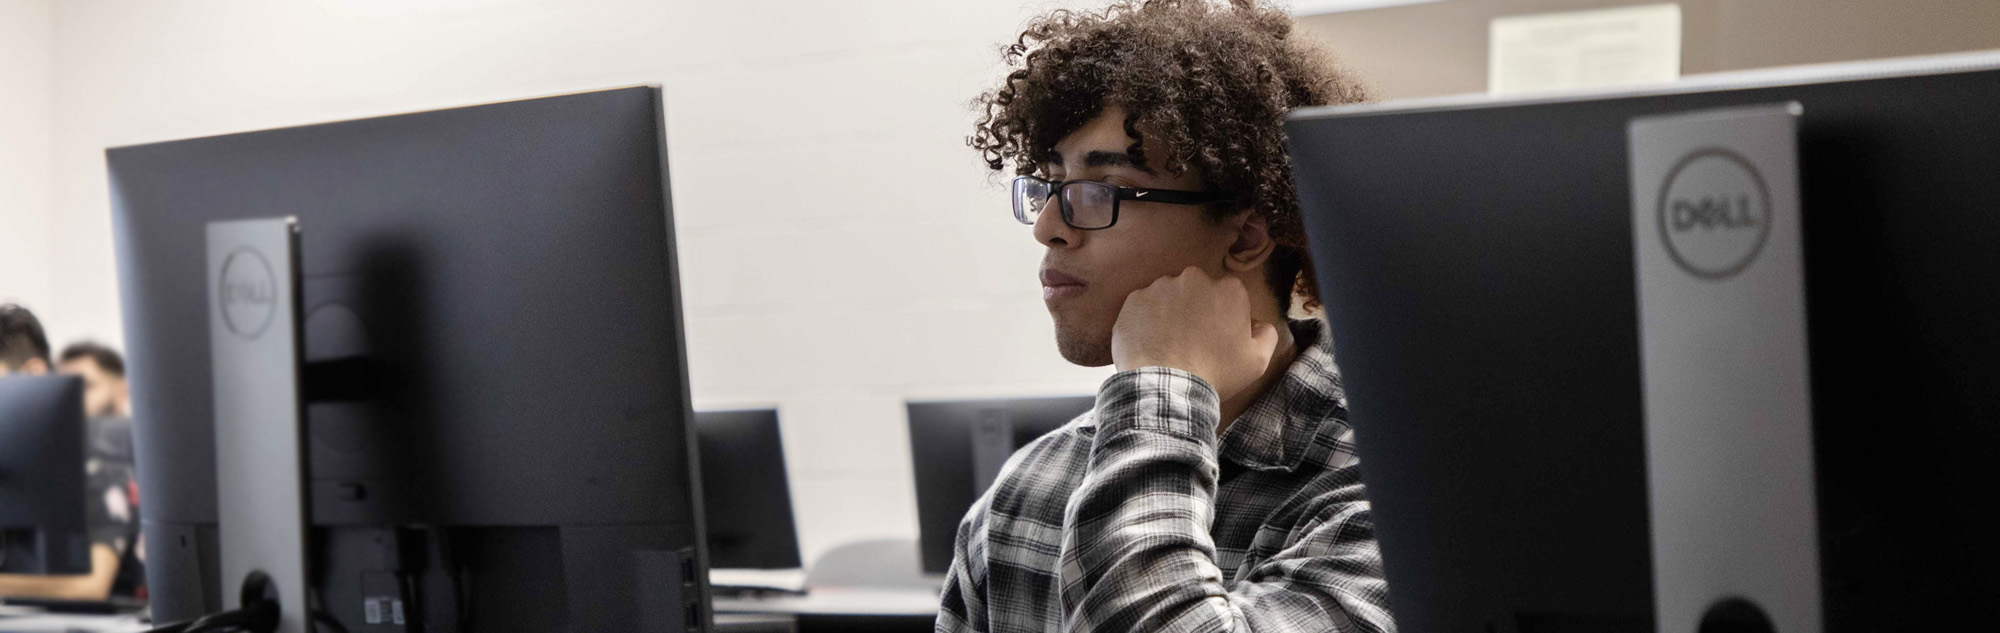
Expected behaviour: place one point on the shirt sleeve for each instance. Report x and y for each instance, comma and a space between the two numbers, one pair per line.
962, 607
1137, 554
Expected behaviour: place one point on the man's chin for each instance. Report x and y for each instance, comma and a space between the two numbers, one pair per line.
1085, 350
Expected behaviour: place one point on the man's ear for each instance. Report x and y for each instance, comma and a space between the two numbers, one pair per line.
1253, 243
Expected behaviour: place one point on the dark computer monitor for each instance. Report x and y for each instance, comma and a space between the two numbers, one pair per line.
42, 492
1476, 260
958, 447
748, 497
495, 373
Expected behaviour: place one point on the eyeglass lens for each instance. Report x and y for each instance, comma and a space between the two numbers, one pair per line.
1030, 195
1087, 205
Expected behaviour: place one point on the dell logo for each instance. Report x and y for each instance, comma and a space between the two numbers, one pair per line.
1714, 213
248, 293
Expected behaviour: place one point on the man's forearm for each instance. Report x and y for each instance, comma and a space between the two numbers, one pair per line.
1137, 552
95, 585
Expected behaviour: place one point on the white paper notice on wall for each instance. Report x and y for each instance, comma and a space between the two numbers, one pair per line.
1584, 49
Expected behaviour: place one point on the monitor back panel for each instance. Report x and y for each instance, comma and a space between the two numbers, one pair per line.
1476, 266
492, 330
746, 495
506, 267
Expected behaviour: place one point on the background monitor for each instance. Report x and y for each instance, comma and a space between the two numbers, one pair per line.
1476, 261
496, 380
42, 493
958, 447
748, 496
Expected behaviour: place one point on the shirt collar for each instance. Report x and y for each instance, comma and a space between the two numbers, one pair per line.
1277, 432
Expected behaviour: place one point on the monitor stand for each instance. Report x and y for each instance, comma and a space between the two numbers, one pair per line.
1729, 453
255, 344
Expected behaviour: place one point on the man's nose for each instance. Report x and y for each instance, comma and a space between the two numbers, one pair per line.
1050, 229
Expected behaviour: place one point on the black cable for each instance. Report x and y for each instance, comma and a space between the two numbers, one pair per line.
257, 617
247, 620
188, 626
259, 613
177, 627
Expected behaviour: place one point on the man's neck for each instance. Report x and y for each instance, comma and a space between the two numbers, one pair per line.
1281, 361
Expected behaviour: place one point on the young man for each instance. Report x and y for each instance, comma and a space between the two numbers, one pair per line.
112, 516
1214, 487
105, 392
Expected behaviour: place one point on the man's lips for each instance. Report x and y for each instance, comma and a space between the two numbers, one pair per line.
1059, 285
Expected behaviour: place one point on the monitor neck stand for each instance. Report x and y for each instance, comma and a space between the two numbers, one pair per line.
256, 347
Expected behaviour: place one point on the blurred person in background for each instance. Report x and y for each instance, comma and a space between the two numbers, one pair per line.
105, 393
24, 348
112, 488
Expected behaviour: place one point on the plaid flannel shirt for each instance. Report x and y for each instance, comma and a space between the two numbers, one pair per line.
1136, 517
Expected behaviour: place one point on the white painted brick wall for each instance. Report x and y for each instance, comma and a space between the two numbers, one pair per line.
27, 29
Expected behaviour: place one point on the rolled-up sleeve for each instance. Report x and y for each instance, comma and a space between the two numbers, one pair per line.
962, 606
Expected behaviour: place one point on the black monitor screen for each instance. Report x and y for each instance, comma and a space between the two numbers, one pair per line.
959, 446
745, 494
42, 493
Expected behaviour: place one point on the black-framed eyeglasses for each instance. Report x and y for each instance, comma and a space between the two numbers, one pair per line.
1090, 205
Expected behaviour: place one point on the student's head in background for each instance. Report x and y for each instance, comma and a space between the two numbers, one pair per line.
105, 392
24, 348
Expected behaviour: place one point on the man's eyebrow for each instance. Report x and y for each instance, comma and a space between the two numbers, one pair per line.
1101, 158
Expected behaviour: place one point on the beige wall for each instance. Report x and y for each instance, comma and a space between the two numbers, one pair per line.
1440, 48
26, 96
1759, 33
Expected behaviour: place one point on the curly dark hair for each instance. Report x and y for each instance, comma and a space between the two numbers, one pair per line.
1213, 81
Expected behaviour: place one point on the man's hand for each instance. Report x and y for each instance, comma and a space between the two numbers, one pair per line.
1198, 324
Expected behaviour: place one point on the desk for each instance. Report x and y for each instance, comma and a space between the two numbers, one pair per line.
839, 601
755, 623
64, 623
836, 609
70, 623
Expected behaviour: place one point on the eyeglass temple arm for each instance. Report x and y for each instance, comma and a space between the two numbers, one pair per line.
1171, 196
